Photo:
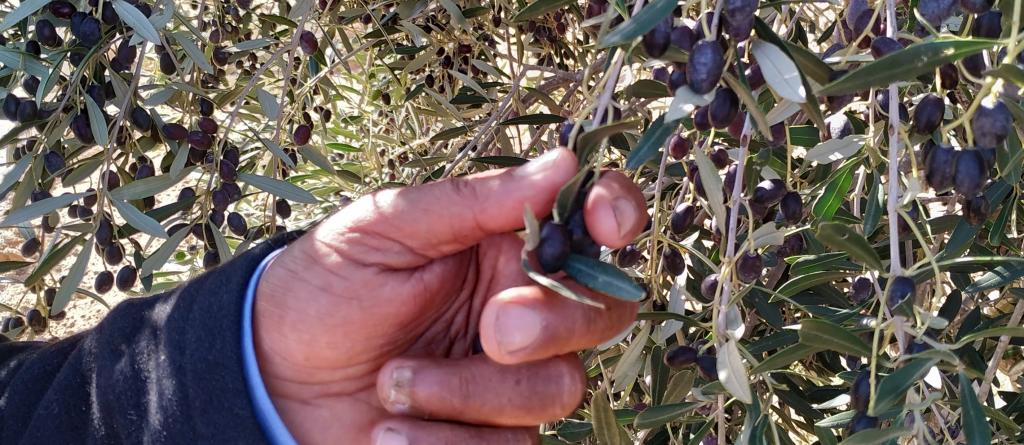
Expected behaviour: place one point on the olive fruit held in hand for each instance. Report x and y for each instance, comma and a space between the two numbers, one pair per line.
308, 43
681, 357
554, 248
928, 114
991, 124
901, 289
705, 66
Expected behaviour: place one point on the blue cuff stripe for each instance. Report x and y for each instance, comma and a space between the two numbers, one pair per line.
273, 427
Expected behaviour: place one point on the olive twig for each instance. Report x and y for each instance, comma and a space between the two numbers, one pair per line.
1004, 340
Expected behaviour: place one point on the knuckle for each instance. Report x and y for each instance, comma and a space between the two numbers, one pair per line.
569, 387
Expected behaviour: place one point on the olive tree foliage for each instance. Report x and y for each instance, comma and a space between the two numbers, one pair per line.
834, 247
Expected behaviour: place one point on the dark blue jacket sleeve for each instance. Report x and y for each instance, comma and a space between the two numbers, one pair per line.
162, 369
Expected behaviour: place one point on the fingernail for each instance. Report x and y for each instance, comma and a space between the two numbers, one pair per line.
398, 390
517, 327
625, 215
390, 436
540, 164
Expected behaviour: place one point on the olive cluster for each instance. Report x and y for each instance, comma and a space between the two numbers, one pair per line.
559, 239
683, 357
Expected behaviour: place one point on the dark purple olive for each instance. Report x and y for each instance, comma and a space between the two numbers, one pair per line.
565, 132
657, 40
46, 33
769, 192
976, 210
739, 18
723, 108
701, 121
720, 157
207, 125
554, 247
167, 64
628, 256
677, 79
36, 321
126, 278
683, 38
237, 224
30, 247
901, 289
705, 66
174, 132
792, 208
199, 140
991, 124
31, 85
62, 9
673, 261
679, 146
111, 180
749, 267
660, 74
113, 254
88, 30
11, 104
709, 288
221, 56
916, 347
282, 208
949, 76
940, 167
682, 218
28, 111
861, 290
302, 134
104, 282
211, 259
988, 25
141, 119
860, 392
708, 367
970, 175
206, 107
936, 11
792, 245
837, 102
53, 162
882, 46
681, 357
928, 114
308, 42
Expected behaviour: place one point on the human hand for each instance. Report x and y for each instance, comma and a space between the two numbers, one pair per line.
365, 326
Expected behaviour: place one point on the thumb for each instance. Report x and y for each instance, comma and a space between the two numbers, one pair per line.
442, 218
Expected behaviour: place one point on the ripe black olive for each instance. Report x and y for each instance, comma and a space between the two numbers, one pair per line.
673, 261
554, 247
792, 208
882, 46
681, 357
988, 25
862, 422
302, 134
928, 114
861, 290
940, 167
657, 40
991, 124
282, 208
126, 278
749, 267
709, 288
976, 210
308, 42
900, 290
705, 66
174, 132
970, 175
104, 282
860, 392
682, 218
30, 247
37, 321
628, 256
679, 146
723, 108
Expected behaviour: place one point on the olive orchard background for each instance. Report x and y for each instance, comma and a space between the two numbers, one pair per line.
834, 248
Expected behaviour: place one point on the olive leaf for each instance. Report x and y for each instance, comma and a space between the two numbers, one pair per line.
603, 277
